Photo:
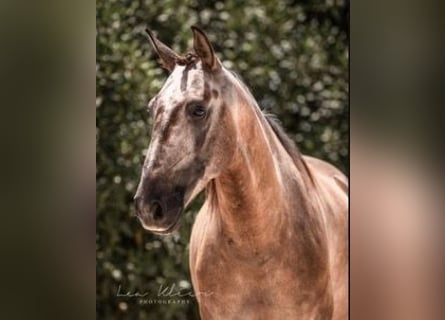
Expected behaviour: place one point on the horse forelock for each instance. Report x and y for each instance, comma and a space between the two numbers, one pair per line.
187, 59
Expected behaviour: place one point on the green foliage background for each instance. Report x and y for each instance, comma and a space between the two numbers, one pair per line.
293, 55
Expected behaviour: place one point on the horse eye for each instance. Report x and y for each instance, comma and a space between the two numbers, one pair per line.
198, 111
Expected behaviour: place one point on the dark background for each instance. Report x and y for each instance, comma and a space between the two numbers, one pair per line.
293, 55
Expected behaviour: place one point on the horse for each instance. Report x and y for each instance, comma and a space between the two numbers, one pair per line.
270, 241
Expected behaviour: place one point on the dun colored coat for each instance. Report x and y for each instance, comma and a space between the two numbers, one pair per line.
270, 241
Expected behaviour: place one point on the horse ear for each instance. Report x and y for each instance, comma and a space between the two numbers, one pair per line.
168, 56
204, 50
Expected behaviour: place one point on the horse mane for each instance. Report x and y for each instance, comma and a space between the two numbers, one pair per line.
187, 59
275, 124
288, 144
277, 128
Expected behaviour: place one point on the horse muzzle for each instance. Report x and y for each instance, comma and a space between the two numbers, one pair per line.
160, 214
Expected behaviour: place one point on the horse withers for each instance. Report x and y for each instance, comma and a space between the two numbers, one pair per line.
270, 241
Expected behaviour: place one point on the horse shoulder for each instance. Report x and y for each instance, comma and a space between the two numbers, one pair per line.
333, 189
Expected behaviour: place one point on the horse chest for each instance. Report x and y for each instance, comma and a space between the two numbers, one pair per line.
228, 288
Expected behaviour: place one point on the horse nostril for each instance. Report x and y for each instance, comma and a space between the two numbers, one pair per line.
156, 210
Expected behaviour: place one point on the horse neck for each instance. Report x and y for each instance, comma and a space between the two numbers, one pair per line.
253, 195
